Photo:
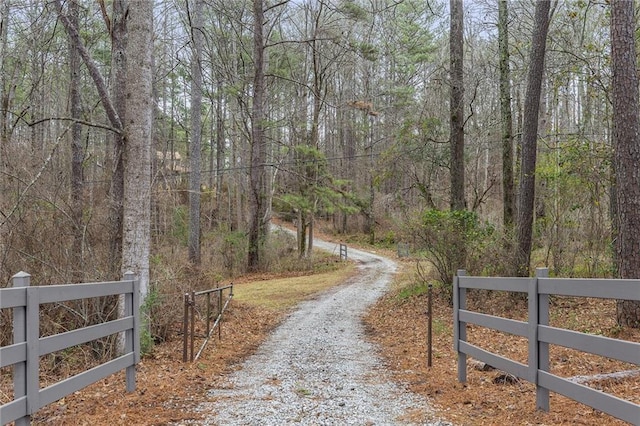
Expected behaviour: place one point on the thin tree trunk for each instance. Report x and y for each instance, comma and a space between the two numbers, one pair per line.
118, 87
257, 181
220, 149
197, 35
456, 52
530, 138
4, 90
77, 150
508, 196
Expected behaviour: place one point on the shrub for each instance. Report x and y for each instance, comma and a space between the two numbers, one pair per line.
450, 240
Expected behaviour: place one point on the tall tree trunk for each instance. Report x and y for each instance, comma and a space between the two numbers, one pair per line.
4, 110
456, 135
508, 197
626, 140
220, 147
257, 178
197, 35
118, 87
4, 90
138, 124
77, 150
456, 53
530, 137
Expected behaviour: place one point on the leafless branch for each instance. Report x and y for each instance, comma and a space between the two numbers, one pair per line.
78, 121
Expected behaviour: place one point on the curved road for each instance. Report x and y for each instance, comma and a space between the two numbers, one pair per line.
317, 368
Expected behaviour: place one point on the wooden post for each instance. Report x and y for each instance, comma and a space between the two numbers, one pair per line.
21, 279
542, 394
220, 315
129, 335
185, 327
459, 328
429, 326
208, 317
193, 322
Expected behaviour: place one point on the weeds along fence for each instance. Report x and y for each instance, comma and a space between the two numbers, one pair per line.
540, 335
213, 309
23, 355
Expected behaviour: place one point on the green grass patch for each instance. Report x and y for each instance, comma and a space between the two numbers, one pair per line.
413, 290
284, 293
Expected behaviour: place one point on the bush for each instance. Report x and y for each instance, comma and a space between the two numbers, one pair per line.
450, 240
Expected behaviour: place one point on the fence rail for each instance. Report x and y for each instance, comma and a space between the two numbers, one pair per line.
27, 347
540, 335
188, 322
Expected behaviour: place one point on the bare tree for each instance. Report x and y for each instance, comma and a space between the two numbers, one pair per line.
197, 35
508, 196
626, 139
114, 159
77, 148
4, 96
456, 54
257, 179
530, 136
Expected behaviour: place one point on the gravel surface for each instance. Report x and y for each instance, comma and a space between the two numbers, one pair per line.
318, 368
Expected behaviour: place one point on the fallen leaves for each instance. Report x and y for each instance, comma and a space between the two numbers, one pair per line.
480, 401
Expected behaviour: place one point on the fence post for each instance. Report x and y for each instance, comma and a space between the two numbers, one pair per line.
21, 279
542, 394
185, 327
219, 293
429, 324
532, 332
343, 252
130, 336
192, 307
459, 328
208, 316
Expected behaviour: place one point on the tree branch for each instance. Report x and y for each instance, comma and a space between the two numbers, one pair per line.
78, 121
101, 86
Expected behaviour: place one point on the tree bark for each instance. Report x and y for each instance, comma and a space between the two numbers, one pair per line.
77, 149
530, 137
197, 35
257, 179
138, 125
626, 141
114, 159
4, 91
508, 197
456, 55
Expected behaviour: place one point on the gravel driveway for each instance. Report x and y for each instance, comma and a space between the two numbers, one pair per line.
317, 368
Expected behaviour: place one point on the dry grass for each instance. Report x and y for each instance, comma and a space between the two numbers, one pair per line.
284, 293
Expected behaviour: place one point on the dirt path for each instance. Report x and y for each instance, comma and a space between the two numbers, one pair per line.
318, 367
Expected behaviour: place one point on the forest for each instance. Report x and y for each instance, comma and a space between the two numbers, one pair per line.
165, 136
